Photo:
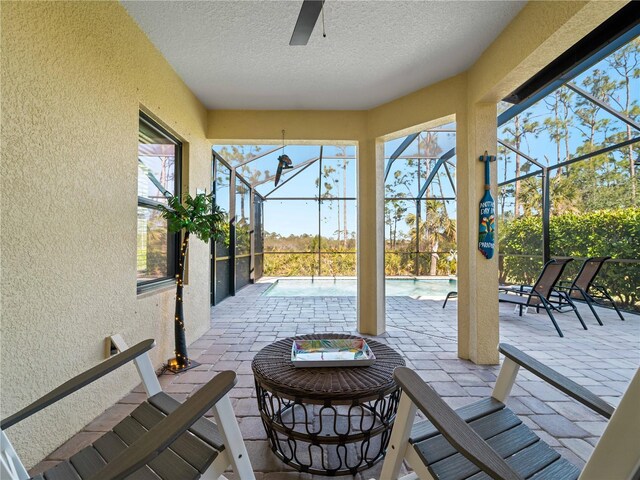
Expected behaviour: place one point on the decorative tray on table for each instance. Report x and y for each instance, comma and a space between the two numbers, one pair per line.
332, 352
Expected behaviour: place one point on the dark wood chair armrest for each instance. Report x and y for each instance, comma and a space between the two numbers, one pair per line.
163, 434
562, 383
457, 432
76, 383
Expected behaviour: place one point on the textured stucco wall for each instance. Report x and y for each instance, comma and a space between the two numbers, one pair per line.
538, 35
73, 78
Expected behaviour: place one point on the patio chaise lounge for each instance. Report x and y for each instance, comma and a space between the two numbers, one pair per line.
161, 439
452, 294
487, 440
583, 288
542, 293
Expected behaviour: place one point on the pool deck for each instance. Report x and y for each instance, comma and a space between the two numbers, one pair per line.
602, 359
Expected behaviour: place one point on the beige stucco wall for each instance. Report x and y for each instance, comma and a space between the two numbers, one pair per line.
74, 76
539, 34
309, 126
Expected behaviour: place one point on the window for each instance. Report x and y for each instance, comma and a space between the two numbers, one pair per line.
159, 164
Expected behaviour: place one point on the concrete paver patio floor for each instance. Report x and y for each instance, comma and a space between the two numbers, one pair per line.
603, 359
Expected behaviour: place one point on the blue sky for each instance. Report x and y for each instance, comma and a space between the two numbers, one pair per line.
301, 216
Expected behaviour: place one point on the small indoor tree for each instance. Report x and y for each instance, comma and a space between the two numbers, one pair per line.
200, 216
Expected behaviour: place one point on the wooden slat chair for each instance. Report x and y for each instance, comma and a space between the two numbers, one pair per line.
161, 439
542, 294
583, 288
487, 440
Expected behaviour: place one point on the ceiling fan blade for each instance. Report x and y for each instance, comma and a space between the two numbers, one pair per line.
309, 13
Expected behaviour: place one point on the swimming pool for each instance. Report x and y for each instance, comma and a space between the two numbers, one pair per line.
328, 287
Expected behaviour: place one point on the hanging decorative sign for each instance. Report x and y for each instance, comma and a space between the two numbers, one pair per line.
486, 240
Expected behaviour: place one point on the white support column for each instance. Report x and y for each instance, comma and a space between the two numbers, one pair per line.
11, 467
399, 441
617, 454
370, 245
147, 374
218, 467
143, 365
232, 438
421, 471
506, 379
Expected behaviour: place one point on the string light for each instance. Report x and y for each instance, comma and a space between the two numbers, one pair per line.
181, 360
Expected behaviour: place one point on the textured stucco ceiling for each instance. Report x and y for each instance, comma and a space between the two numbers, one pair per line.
236, 54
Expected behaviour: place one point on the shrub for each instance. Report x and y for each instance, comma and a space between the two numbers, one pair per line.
614, 233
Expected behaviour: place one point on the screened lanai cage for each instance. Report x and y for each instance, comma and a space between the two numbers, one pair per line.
568, 187
567, 168
306, 224
420, 204
303, 226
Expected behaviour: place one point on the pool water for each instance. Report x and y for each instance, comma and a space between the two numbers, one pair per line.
328, 287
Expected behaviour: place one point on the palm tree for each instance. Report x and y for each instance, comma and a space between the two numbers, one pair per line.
200, 216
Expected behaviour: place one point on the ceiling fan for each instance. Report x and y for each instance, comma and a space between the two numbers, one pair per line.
309, 13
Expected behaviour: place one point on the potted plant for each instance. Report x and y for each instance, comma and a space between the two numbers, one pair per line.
200, 216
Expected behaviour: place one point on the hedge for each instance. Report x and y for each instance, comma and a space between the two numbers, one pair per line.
614, 233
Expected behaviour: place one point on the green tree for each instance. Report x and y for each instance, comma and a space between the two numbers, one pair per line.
517, 132
626, 62
436, 231
558, 125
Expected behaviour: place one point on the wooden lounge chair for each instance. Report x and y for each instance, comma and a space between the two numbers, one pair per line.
542, 294
161, 439
583, 288
487, 440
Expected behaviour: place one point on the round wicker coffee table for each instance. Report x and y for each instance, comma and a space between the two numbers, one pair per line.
329, 420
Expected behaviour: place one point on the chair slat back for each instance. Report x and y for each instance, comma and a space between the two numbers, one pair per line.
550, 275
588, 272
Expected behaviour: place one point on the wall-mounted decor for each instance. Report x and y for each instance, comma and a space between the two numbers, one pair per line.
486, 240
